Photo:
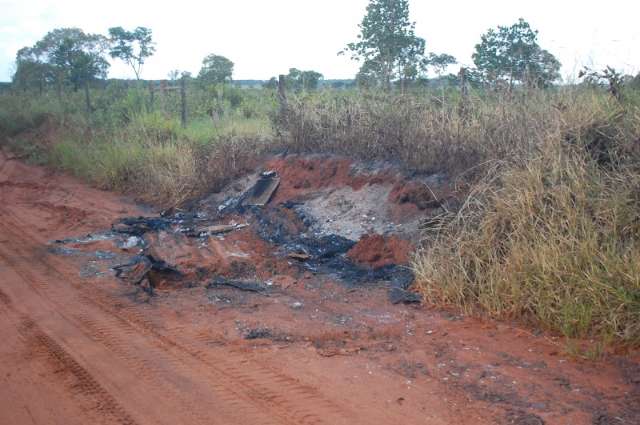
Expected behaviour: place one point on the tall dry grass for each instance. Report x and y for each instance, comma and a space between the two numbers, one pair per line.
168, 173
549, 230
424, 131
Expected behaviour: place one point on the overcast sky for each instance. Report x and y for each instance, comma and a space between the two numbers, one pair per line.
267, 37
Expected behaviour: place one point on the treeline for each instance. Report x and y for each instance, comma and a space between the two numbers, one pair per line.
69, 57
390, 54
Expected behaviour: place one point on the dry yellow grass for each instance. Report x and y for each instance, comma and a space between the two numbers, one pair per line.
551, 237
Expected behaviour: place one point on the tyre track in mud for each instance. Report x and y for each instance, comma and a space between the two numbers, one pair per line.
88, 388
144, 370
240, 384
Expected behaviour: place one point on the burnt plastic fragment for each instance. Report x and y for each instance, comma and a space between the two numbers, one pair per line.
138, 268
138, 226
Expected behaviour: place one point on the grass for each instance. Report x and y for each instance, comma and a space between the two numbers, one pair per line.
154, 164
128, 147
549, 225
550, 235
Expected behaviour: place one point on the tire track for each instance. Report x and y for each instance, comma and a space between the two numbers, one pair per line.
150, 372
88, 387
245, 380
5, 299
155, 367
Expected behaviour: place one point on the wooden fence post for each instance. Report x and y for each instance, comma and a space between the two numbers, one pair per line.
463, 107
183, 101
151, 95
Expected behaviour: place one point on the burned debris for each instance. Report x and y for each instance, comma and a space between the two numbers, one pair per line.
238, 284
300, 228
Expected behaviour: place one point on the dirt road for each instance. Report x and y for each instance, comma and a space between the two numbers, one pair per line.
76, 350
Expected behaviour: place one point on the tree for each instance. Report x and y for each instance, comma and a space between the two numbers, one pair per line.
439, 62
387, 45
611, 77
298, 80
512, 55
74, 57
216, 69
369, 74
30, 70
132, 47
272, 84
174, 74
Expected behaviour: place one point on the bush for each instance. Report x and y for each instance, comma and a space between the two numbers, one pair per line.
553, 237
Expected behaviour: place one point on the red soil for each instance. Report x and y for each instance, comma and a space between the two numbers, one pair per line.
240, 254
300, 175
85, 350
378, 251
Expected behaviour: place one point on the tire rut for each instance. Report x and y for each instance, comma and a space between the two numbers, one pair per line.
88, 387
236, 380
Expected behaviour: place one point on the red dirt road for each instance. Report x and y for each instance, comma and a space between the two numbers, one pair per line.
76, 350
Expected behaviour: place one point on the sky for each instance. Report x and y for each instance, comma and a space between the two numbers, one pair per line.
265, 38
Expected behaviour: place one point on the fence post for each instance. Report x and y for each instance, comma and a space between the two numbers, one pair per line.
282, 100
463, 107
183, 100
151, 95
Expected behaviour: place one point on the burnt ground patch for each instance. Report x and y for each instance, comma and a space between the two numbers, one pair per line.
296, 240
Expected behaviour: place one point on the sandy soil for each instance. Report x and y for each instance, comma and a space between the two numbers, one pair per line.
79, 348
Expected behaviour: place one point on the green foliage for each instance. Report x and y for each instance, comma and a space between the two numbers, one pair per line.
271, 84
613, 78
511, 55
215, 69
132, 47
70, 56
387, 45
302, 80
31, 71
439, 62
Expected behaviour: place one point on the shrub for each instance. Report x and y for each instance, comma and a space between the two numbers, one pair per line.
552, 237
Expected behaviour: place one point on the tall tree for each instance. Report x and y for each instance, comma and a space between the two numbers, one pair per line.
512, 55
216, 69
31, 71
132, 47
74, 57
387, 45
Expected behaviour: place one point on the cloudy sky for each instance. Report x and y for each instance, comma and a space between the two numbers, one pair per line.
267, 37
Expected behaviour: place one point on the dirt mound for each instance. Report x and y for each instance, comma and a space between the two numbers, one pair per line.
414, 193
304, 175
379, 251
